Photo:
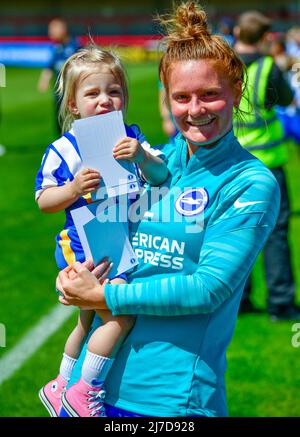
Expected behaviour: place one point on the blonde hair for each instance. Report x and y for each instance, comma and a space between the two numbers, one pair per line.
75, 68
188, 38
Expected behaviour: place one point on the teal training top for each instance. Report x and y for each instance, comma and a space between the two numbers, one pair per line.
196, 246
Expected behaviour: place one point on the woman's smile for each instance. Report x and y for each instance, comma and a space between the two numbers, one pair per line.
201, 121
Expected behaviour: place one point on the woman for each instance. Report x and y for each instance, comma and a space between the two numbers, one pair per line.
196, 244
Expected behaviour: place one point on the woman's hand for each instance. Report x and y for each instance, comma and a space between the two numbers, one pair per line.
79, 284
129, 149
101, 271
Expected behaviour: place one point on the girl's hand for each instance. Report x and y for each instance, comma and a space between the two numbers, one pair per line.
129, 149
86, 181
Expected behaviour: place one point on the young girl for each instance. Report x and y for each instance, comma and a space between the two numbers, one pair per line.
92, 82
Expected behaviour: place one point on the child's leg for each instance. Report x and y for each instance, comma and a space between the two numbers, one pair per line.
85, 398
52, 392
107, 339
103, 346
74, 343
79, 333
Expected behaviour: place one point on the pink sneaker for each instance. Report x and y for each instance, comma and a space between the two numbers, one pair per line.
51, 393
84, 400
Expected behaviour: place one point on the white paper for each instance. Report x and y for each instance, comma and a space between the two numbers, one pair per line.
80, 217
103, 238
96, 137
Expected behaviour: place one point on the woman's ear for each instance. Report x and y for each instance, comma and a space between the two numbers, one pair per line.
73, 107
238, 88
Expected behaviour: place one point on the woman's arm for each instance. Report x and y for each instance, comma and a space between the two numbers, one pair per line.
224, 264
153, 168
230, 247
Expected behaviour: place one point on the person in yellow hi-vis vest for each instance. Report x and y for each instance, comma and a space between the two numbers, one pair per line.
262, 134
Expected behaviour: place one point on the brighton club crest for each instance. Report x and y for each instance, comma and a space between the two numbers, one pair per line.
192, 202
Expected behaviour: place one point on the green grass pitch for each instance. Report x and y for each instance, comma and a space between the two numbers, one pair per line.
263, 377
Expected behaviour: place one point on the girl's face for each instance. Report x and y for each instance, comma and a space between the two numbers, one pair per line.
201, 101
98, 93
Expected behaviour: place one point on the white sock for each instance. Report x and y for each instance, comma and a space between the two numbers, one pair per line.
95, 368
67, 366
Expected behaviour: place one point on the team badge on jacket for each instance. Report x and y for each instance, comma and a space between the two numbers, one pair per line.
192, 202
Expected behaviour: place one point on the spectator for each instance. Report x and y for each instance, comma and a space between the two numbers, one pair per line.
261, 132
225, 29
64, 47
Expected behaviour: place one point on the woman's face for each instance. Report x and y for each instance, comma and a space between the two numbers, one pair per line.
201, 100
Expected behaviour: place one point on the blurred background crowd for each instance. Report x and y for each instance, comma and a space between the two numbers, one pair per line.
43, 34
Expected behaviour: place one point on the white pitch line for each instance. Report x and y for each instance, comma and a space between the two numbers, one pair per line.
26, 347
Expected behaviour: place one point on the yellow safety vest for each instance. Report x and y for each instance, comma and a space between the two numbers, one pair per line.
261, 131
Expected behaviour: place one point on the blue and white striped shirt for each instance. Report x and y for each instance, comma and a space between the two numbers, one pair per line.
60, 164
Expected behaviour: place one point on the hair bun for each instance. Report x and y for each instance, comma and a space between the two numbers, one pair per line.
189, 22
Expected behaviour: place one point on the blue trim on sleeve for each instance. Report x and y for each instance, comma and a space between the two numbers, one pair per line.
72, 140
